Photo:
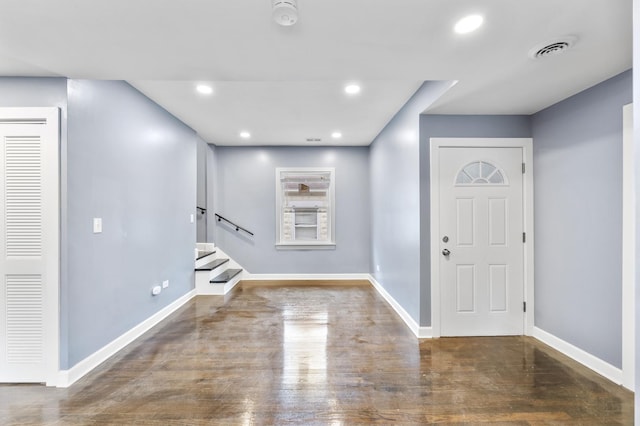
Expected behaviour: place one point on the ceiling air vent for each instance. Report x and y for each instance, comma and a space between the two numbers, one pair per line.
552, 48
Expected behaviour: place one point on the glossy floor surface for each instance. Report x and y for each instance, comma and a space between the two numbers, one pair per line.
325, 355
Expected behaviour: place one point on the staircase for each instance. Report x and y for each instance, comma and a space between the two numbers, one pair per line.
216, 274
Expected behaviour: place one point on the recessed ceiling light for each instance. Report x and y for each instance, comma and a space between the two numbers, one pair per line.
468, 24
245, 135
204, 89
352, 89
336, 135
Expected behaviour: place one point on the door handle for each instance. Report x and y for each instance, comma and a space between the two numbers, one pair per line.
446, 252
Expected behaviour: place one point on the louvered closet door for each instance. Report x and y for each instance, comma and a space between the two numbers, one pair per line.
29, 244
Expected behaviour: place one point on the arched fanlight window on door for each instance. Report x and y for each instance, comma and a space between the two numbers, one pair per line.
480, 173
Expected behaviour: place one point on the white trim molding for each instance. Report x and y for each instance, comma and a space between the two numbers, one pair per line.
590, 361
304, 277
420, 332
527, 196
628, 250
68, 377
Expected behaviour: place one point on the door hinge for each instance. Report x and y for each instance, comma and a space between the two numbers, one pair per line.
524, 237
523, 168
524, 306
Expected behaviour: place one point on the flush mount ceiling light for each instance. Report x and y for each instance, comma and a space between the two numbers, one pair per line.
285, 12
468, 24
352, 89
336, 135
552, 48
204, 89
245, 135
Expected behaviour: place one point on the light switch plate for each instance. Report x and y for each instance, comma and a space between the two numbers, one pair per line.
97, 225
191, 218
165, 283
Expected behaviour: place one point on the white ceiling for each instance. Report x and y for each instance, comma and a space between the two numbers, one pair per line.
285, 84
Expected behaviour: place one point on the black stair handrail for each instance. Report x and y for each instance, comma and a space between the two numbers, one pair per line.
238, 227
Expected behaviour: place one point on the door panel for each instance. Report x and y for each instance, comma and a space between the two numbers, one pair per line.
481, 214
29, 262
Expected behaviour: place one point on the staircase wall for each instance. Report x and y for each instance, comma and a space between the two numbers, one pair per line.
246, 195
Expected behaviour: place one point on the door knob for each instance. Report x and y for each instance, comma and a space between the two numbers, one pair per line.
446, 252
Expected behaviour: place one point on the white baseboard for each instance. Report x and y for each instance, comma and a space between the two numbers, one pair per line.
304, 277
596, 364
420, 332
68, 377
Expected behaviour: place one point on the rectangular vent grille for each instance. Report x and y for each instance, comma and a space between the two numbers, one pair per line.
24, 322
23, 197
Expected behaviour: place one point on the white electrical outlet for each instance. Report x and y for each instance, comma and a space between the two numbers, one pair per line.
97, 225
156, 290
165, 283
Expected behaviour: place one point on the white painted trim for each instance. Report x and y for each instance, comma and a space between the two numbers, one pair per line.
67, 377
304, 277
628, 249
596, 364
527, 153
420, 332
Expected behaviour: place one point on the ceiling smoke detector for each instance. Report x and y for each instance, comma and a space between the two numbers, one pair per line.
285, 12
552, 48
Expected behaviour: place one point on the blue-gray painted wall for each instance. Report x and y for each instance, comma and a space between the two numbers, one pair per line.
577, 152
134, 165
395, 200
453, 126
246, 195
212, 165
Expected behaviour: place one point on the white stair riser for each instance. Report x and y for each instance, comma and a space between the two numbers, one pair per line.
206, 259
217, 289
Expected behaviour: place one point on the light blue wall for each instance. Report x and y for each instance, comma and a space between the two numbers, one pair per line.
453, 126
212, 165
201, 194
578, 218
47, 92
395, 200
134, 165
246, 195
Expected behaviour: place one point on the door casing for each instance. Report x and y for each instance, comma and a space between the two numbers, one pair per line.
527, 149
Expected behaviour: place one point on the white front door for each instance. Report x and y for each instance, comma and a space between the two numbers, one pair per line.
29, 244
481, 241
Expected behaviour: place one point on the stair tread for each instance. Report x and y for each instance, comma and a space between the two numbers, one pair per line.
204, 253
225, 276
212, 265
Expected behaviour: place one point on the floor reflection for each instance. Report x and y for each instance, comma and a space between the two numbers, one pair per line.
319, 355
305, 349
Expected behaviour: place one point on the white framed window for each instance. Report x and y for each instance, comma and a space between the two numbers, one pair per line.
305, 208
480, 173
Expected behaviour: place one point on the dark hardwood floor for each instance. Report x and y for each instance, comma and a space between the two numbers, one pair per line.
319, 354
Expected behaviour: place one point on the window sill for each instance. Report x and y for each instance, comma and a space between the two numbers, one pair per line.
305, 245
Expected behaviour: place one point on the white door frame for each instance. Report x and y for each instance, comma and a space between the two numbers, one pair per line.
50, 118
628, 249
527, 197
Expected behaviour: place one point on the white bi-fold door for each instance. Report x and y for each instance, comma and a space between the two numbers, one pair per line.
481, 248
29, 244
